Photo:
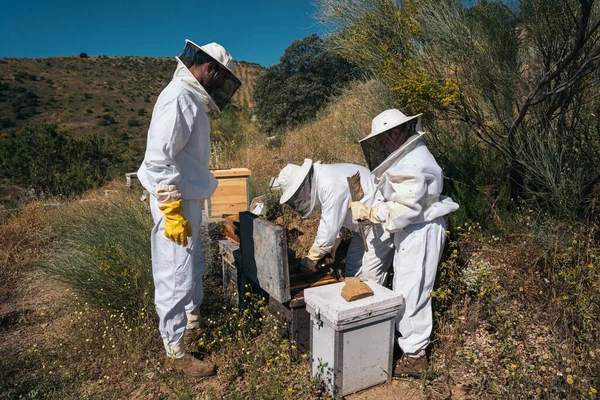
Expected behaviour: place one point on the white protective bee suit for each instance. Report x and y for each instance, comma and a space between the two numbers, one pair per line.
411, 183
330, 192
176, 167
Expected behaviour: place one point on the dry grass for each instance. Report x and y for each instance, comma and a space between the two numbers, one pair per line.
523, 322
516, 313
72, 345
332, 138
24, 241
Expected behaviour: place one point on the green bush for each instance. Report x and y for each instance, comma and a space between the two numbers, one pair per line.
472, 177
53, 163
107, 119
306, 76
508, 75
21, 75
133, 122
6, 123
104, 255
24, 103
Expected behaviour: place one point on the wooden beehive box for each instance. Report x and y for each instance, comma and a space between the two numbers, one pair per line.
262, 261
232, 195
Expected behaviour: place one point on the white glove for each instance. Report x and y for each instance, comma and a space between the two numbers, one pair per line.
362, 213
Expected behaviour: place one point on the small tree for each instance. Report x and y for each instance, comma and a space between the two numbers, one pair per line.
83, 55
306, 76
507, 72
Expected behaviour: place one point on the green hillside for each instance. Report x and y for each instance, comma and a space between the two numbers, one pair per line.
104, 95
111, 97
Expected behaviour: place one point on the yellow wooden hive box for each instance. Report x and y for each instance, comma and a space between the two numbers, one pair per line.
232, 194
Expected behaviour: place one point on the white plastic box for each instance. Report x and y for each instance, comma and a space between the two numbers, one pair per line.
351, 342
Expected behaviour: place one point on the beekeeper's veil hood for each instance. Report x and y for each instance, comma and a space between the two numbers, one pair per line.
372, 145
224, 83
298, 187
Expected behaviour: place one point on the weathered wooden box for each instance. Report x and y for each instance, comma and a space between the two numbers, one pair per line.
232, 194
231, 260
262, 262
131, 179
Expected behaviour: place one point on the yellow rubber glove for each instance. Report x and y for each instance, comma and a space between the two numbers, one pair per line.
362, 213
177, 228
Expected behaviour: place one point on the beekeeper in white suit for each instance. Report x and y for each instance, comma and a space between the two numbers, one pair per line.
411, 182
176, 171
325, 186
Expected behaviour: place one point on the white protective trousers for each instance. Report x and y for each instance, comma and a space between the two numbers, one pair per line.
374, 264
418, 249
178, 273
411, 183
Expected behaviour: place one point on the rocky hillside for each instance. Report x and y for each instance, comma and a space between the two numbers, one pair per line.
106, 95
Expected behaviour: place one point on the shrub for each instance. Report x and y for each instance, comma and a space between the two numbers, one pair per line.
53, 163
6, 123
24, 103
508, 72
107, 119
21, 75
133, 122
104, 255
306, 76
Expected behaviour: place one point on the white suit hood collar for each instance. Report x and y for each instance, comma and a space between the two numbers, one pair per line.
396, 155
183, 73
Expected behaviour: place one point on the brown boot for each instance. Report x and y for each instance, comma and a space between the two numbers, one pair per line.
191, 336
410, 367
190, 366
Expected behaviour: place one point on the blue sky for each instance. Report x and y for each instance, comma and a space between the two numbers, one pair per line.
254, 31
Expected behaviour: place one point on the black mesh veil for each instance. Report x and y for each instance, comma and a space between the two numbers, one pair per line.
224, 83
377, 148
302, 200
374, 152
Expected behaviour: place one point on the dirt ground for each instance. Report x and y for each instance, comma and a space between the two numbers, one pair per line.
394, 390
31, 316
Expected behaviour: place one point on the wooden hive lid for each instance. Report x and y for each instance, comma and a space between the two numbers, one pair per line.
232, 172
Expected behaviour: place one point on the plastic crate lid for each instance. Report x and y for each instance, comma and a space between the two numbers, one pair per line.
328, 302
